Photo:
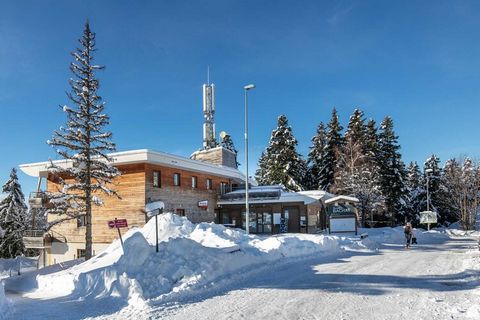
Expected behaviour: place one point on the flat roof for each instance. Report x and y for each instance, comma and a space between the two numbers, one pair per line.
144, 156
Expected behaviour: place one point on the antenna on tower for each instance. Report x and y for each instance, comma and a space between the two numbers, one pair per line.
208, 74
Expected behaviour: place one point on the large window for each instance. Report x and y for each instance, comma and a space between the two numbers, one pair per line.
194, 182
224, 188
181, 212
156, 179
209, 184
176, 179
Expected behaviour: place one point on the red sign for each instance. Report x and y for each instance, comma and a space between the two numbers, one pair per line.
117, 223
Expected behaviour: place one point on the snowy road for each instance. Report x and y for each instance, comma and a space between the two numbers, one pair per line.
440, 280
427, 282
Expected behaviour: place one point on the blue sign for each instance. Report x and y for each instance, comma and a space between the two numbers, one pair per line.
283, 225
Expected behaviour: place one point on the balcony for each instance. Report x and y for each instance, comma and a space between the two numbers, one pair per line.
36, 239
37, 200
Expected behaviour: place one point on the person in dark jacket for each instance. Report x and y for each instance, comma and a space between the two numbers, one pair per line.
408, 234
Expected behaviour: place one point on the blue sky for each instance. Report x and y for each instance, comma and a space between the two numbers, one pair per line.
415, 61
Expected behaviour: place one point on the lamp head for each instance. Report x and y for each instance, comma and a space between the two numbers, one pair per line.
249, 87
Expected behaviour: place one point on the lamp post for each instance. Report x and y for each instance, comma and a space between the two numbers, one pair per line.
247, 208
427, 172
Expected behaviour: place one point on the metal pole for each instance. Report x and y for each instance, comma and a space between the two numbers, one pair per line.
247, 208
428, 200
156, 231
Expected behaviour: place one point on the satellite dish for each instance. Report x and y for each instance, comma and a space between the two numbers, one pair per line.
223, 134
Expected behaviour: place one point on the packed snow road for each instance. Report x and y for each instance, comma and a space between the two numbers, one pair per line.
430, 281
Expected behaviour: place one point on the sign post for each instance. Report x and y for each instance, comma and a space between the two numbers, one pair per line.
118, 223
155, 213
427, 217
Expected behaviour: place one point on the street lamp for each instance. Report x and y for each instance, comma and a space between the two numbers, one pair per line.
427, 172
247, 208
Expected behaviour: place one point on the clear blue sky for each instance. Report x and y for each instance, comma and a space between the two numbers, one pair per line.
418, 62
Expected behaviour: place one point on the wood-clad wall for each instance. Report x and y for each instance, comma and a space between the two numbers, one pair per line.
135, 187
130, 187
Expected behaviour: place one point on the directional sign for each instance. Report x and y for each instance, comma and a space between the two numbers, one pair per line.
118, 223
428, 217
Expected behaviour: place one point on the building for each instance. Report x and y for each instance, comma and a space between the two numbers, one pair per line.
274, 210
187, 186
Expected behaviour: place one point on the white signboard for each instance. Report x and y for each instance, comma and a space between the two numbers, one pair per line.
276, 218
342, 225
428, 217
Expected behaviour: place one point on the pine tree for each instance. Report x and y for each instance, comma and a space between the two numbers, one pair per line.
433, 172
334, 142
317, 165
392, 171
415, 191
13, 216
84, 143
281, 163
357, 170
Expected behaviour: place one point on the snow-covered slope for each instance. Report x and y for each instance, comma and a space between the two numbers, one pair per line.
190, 256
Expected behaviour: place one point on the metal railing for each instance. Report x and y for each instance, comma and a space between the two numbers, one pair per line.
33, 233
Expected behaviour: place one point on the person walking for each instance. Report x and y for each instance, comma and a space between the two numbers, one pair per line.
408, 234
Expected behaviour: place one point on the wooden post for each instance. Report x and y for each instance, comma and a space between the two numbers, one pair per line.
119, 233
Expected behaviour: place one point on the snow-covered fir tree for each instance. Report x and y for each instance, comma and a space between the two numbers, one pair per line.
84, 143
356, 172
334, 142
13, 218
281, 163
433, 172
317, 160
415, 191
392, 171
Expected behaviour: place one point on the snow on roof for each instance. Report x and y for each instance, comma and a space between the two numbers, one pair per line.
144, 156
317, 194
307, 197
340, 198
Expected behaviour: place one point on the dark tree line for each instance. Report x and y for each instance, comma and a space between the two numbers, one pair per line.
365, 161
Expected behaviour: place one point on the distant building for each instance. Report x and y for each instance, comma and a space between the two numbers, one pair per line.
273, 210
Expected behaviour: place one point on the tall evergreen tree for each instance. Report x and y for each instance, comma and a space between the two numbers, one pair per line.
415, 188
13, 218
357, 171
282, 164
392, 171
334, 142
84, 143
317, 165
434, 185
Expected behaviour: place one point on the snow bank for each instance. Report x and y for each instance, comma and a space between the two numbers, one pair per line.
3, 303
190, 256
9, 267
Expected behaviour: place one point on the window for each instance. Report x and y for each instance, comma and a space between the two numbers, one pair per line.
194, 182
81, 221
80, 253
209, 184
156, 179
180, 212
176, 179
224, 188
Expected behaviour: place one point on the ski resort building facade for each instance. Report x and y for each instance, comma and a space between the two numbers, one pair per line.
186, 187
275, 210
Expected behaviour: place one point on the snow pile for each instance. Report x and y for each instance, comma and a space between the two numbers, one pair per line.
190, 257
9, 267
3, 303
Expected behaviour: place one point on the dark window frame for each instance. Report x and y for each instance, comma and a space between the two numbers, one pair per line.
209, 184
158, 183
177, 181
194, 182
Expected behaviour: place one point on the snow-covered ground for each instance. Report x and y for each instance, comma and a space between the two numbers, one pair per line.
208, 271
